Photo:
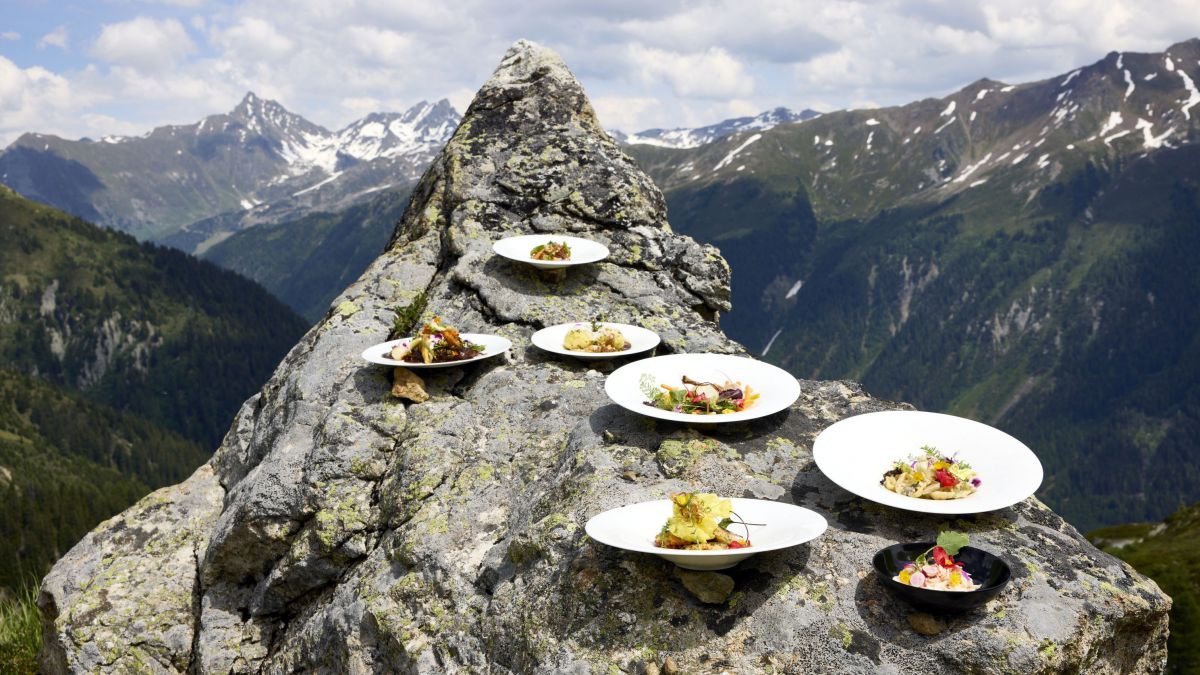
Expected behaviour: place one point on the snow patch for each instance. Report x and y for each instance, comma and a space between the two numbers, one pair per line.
1151, 76
871, 122
314, 187
977, 183
916, 131
1129, 81
1008, 88
981, 94
948, 123
1020, 158
733, 153
971, 169
1149, 140
870, 136
972, 116
1109, 139
771, 342
948, 111
1169, 63
794, 289
1193, 94
1114, 119
1070, 76
1043, 161
828, 142
1120, 61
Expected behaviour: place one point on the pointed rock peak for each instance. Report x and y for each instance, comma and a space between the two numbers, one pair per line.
536, 75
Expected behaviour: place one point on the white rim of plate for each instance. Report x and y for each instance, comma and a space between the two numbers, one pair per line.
583, 251
808, 526
623, 385
550, 339
494, 345
1010, 472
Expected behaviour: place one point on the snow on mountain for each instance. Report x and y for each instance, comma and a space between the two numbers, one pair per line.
693, 138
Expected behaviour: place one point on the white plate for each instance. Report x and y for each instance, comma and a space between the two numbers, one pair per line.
855, 453
551, 340
583, 251
634, 527
777, 389
492, 346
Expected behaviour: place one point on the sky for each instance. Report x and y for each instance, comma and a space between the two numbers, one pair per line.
98, 67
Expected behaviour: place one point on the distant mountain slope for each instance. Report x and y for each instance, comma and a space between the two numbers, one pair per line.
693, 138
191, 185
1169, 553
1021, 254
307, 262
67, 463
138, 327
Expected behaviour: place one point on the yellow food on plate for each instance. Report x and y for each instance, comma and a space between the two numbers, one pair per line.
597, 339
697, 523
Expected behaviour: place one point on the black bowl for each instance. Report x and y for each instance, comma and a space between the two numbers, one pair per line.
984, 568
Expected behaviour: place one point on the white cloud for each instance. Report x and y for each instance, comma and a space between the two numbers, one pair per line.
10, 35
713, 73
645, 64
55, 38
144, 43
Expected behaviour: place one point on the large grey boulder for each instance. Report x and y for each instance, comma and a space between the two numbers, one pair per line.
340, 530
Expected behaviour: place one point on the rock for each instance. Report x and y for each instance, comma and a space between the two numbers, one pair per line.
926, 624
408, 385
338, 529
711, 587
669, 667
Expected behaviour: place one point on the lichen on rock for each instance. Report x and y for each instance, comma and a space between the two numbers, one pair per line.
339, 530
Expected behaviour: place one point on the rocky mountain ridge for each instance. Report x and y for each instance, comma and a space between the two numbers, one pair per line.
682, 137
191, 185
339, 530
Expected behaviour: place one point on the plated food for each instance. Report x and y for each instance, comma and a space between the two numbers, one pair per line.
596, 338
940, 577
550, 251
771, 526
437, 345
987, 470
593, 340
936, 568
702, 388
698, 398
931, 474
698, 522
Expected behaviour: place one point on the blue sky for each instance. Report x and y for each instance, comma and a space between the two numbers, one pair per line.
124, 66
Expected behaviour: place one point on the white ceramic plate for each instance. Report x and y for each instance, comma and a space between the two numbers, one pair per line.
583, 251
551, 340
493, 345
777, 389
855, 453
634, 527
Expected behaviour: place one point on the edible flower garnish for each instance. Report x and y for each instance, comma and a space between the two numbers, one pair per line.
437, 343
931, 475
936, 569
698, 522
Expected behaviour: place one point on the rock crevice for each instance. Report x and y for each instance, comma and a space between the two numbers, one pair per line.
340, 530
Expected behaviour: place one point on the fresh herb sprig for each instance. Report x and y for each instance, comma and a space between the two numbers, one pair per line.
949, 543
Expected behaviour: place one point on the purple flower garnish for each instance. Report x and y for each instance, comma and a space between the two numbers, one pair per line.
975, 482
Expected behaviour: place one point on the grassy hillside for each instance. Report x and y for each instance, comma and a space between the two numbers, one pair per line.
1169, 553
307, 262
138, 327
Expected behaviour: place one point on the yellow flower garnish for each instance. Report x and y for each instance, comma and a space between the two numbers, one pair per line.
697, 515
918, 476
940, 465
905, 575
955, 578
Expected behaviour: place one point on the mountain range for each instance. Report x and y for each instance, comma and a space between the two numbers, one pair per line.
1009, 252
1022, 254
191, 185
